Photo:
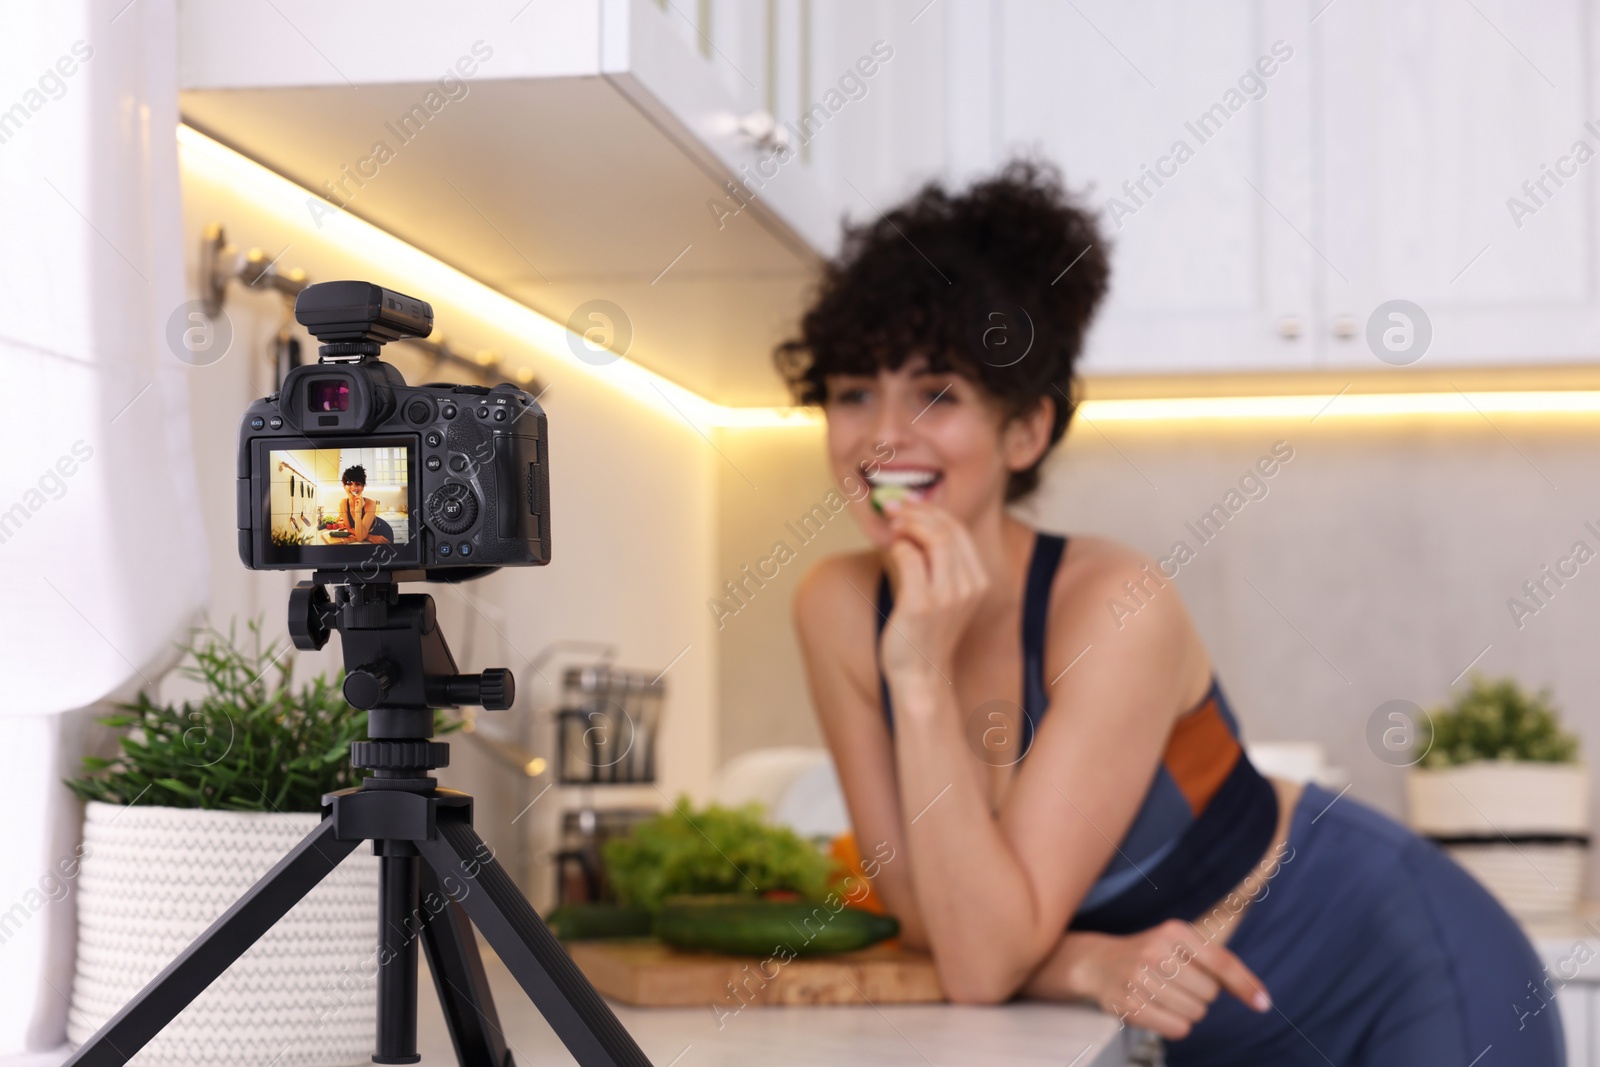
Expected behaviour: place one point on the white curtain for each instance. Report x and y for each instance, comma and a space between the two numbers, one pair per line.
102, 558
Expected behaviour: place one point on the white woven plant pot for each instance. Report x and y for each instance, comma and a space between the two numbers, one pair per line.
1499, 797
1529, 879
1507, 805
154, 878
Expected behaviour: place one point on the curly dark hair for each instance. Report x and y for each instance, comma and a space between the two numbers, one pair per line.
957, 278
356, 474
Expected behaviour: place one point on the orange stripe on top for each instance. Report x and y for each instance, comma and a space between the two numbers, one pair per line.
1200, 753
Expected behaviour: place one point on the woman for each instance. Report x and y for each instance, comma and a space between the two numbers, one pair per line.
358, 514
1065, 790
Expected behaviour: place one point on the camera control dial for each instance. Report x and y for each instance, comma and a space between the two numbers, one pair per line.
452, 508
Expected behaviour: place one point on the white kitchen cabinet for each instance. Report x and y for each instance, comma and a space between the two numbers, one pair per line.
1433, 115
854, 92
1211, 266
1380, 163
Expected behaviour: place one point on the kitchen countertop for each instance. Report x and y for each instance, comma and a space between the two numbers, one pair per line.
924, 1035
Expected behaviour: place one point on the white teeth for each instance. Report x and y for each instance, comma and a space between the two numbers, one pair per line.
907, 479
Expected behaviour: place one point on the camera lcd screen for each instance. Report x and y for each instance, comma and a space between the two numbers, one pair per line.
344, 503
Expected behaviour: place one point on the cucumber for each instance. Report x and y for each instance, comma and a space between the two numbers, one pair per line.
769, 927
882, 494
582, 922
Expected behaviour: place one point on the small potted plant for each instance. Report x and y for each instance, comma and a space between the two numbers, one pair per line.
1500, 786
202, 800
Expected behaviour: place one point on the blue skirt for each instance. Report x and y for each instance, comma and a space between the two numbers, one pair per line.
1377, 948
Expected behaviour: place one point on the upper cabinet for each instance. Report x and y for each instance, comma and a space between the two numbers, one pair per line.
686, 162
1185, 128
1273, 174
1269, 174
1457, 151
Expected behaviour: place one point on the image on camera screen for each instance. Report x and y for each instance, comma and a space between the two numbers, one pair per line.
340, 496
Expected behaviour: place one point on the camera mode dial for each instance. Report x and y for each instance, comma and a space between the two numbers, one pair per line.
452, 508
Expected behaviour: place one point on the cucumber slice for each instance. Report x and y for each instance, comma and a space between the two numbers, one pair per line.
882, 494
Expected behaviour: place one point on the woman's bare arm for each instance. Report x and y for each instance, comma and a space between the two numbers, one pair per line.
996, 893
837, 639
363, 526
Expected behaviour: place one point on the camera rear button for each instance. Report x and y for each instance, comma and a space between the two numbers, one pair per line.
257, 422
433, 463
458, 463
500, 415
464, 550
435, 438
483, 413
275, 422
449, 411
444, 548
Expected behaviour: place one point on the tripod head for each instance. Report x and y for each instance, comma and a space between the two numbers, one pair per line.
398, 669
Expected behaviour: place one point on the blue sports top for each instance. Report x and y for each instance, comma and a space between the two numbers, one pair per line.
1207, 818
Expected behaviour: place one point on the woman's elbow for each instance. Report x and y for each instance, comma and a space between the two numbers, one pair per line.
972, 987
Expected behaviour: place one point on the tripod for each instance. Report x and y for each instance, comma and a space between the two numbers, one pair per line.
437, 877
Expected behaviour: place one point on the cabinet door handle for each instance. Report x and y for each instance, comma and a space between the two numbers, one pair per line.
761, 129
1290, 327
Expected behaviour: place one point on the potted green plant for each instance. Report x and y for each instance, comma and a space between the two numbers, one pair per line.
1501, 787
204, 798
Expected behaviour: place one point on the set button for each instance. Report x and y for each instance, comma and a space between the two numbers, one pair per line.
452, 508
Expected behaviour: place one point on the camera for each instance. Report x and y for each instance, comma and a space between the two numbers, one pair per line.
347, 467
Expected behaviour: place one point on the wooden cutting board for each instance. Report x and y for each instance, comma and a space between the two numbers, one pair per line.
648, 973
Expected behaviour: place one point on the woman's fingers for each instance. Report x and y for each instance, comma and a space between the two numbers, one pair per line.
910, 566
1235, 977
1152, 1016
1180, 1001
954, 565
1197, 982
912, 525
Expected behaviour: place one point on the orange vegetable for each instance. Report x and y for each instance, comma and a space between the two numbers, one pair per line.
850, 878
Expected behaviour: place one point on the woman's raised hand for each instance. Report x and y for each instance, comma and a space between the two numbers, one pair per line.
939, 582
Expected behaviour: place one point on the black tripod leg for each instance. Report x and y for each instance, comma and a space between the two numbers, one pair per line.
579, 1015
224, 941
458, 977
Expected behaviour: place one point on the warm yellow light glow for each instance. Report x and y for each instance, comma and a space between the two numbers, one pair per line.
534, 767
282, 198
1344, 406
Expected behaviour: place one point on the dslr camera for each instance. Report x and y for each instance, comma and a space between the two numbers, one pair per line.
347, 468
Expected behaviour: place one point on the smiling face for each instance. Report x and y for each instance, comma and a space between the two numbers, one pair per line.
926, 436
354, 489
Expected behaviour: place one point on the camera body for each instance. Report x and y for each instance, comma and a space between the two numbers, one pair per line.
349, 468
